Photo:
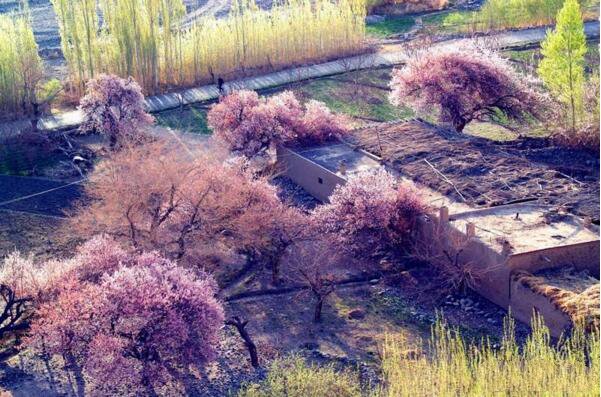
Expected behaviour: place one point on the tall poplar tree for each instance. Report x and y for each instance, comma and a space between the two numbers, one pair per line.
562, 68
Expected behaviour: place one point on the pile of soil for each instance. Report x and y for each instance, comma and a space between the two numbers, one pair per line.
484, 173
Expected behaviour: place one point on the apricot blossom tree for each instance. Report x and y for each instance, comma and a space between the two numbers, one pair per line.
249, 124
370, 213
153, 198
135, 325
465, 84
114, 107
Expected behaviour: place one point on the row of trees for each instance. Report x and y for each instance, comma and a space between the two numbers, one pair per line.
503, 14
145, 39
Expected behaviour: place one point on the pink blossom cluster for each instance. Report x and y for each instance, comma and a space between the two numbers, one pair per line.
465, 83
128, 318
114, 106
371, 212
249, 124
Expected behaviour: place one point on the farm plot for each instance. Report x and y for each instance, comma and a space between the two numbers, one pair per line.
483, 173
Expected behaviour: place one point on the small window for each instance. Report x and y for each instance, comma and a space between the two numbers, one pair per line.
320, 181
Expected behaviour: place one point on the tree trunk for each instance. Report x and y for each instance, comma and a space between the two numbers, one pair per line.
275, 271
318, 307
459, 125
250, 345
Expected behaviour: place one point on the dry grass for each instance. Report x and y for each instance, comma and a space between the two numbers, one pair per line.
454, 367
576, 295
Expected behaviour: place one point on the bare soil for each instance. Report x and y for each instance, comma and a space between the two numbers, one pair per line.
488, 173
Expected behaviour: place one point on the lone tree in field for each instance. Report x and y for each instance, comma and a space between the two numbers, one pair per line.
135, 326
114, 107
562, 68
464, 84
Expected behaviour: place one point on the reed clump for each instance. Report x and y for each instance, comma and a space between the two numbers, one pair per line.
146, 39
454, 367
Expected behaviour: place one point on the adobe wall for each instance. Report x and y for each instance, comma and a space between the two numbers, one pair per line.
524, 302
315, 179
581, 256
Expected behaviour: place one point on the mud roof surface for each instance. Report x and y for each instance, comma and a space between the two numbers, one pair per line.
331, 156
525, 227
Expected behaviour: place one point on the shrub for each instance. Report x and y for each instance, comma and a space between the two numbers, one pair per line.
465, 84
114, 107
292, 377
454, 366
133, 326
370, 213
153, 198
250, 125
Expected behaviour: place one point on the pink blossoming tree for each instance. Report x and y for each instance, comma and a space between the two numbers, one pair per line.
465, 84
249, 124
370, 213
152, 198
134, 326
114, 107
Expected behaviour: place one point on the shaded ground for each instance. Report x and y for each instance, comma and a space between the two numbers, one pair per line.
43, 196
486, 173
33, 234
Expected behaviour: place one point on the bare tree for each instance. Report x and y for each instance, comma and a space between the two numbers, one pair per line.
312, 262
15, 310
240, 325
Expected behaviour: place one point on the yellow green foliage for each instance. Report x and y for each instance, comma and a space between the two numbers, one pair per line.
292, 377
562, 68
134, 41
455, 367
20, 65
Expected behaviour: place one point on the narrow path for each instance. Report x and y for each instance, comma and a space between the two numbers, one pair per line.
387, 55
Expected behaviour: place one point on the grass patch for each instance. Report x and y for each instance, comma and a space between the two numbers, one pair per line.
448, 22
190, 119
390, 26
361, 94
